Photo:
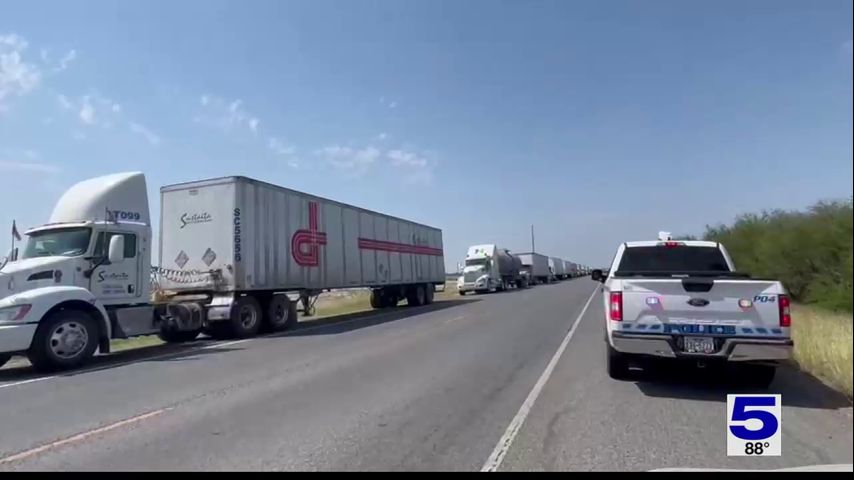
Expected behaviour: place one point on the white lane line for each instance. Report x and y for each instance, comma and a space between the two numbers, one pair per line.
497, 456
207, 347
80, 436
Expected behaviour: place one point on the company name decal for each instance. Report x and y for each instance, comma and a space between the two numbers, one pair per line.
190, 219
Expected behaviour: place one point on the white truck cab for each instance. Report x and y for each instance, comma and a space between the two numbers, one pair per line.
480, 273
684, 300
93, 257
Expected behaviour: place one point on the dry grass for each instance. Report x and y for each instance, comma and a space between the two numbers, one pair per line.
823, 345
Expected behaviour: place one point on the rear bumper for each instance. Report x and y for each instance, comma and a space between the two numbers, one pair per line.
732, 349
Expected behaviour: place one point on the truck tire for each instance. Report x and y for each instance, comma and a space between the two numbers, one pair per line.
415, 296
178, 336
281, 313
245, 317
65, 339
462, 293
377, 299
618, 365
4, 358
429, 293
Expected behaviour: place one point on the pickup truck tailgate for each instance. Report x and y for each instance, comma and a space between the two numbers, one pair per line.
702, 306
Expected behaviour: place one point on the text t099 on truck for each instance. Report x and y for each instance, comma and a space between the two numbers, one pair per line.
684, 300
236, 256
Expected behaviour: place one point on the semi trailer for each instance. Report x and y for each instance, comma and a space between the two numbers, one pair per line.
236, 256
536, 266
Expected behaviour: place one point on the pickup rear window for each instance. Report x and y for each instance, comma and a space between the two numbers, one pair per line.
672, 259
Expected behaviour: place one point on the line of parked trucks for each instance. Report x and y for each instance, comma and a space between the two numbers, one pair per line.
237, 257
489, 268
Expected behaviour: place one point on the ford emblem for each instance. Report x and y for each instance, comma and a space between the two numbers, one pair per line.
698, 302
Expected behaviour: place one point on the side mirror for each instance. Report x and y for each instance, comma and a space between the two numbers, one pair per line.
117, 249
597, 276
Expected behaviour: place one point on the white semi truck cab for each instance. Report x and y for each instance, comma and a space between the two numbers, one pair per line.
82, 278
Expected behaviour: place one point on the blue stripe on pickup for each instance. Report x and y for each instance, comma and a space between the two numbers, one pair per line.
692, 329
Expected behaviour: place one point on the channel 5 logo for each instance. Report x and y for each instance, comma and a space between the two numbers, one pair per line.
754, 425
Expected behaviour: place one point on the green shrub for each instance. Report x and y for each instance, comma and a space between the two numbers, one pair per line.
810, 251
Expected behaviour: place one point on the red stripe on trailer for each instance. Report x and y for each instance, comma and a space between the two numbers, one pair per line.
384, 246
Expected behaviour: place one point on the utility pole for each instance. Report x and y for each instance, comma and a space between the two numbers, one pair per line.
533, 248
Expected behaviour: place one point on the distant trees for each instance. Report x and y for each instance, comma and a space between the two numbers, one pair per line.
810, 251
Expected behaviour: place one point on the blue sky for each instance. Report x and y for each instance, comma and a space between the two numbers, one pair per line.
597, 121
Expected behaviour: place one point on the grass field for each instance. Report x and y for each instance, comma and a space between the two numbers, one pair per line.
823, 346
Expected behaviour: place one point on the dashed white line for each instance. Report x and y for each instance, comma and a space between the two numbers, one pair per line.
500, 450
80, 436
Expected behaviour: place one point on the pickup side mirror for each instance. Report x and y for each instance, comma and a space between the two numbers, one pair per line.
597, 276
116, 253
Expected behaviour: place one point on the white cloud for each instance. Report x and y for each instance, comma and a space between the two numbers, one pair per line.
64, 102
87, 112
415, 167
280, 148
116, 108
65, 61
225, 115
392, 105
152, 137
382, 136
348, 158
402, 158
30, 167
17, 77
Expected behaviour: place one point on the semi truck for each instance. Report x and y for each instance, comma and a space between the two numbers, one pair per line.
489, 268
236, 256
536, 266
557, 268
572, 269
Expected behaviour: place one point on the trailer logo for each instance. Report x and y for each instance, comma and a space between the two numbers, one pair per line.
188, 219
305, 244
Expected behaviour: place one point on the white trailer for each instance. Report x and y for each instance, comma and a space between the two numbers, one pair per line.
557, 267
536, 266
235, 256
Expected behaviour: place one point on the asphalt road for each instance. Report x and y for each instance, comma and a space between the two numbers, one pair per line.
429, 388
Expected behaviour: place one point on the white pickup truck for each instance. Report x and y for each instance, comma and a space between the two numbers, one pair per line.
685, 300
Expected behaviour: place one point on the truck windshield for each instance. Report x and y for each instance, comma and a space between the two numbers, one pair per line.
672, 260
476, 261
65, 242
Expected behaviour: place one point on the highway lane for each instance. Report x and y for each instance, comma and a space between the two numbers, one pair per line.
584, 420
427, 388
432, 388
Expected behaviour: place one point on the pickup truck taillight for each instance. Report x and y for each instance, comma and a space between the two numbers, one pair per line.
785, 310
616, 306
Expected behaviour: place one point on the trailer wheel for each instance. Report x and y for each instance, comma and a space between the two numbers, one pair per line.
245, 317
279, 313
4, 358
377, 298
415, 296
429, 293
178, 336
65, 339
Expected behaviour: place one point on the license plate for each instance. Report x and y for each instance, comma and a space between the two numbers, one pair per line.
699, 345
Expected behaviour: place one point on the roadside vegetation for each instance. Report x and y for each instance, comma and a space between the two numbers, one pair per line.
811, 253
